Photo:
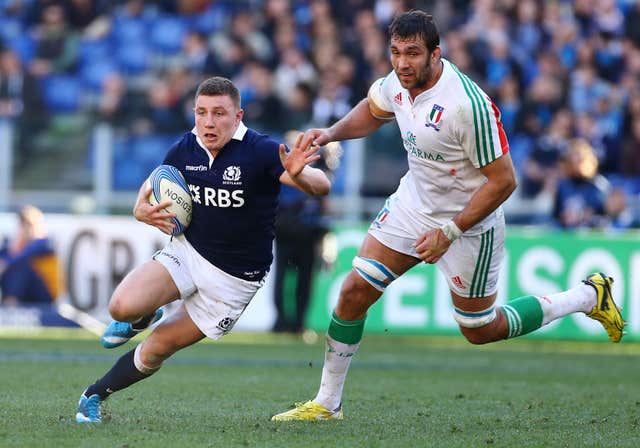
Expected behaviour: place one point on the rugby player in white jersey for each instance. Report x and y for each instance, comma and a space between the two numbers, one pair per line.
446, 211
218, 264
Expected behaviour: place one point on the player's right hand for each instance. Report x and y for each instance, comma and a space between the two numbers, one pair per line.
315, 137
153, 215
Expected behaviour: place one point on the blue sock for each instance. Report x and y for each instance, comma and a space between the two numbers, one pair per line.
123, 374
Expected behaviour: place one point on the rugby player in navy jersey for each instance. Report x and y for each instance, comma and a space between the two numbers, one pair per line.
219, 263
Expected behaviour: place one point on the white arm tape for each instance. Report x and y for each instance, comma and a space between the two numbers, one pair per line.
451, 231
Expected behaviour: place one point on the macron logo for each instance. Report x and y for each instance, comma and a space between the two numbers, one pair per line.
196, 168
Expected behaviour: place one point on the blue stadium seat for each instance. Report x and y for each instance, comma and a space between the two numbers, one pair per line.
94, 74
95, 50
134, 59
23, 45
136, 157
211, 20
10, 27
129, 30
150, 150
62, 93
128, 175
167, 34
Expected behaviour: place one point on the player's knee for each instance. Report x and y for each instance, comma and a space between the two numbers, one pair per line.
123, 308
373, 272
479, 336
478, 327
355, 298
156, 349
118, 308
145, 360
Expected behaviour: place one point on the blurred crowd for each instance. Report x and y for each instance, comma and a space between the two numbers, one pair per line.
565, 74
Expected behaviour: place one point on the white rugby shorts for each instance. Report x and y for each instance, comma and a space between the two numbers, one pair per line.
472, 263
214, 299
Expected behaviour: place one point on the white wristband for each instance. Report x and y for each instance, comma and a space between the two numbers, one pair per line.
451, 231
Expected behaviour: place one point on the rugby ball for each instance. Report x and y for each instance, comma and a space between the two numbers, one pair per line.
168, 184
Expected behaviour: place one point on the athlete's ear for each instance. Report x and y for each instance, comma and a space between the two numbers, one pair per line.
436, 53
239, 115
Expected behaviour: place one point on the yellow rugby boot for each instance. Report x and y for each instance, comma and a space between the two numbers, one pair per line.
606, 311
308, 411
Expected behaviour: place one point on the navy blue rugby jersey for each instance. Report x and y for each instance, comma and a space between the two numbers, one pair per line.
235, 199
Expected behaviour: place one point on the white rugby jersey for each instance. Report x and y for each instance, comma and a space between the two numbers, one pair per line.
448, 131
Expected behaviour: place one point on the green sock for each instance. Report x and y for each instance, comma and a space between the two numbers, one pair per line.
345, 331
523, 314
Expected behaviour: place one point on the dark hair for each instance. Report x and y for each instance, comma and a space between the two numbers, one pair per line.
416, 23
219, 86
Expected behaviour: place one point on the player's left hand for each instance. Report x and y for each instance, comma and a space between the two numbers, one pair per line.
432, 246
298, 157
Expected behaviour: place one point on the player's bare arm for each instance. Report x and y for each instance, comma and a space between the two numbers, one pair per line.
298, 173
359, 122
154, 215
501, 181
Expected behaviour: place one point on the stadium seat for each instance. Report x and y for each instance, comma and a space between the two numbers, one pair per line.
23, 45
134, 58
10, 27
129, 30
127, 175
95, 50
150, 150
135, 158
62, 93
211, 20
94, 74
167, 34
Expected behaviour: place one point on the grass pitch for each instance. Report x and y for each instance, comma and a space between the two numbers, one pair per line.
401, 392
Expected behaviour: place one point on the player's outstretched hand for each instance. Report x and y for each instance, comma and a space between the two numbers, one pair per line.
298, 157
154, 215
432, 246
316, 137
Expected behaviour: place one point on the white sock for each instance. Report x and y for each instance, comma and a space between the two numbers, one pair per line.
334, 373
581, 298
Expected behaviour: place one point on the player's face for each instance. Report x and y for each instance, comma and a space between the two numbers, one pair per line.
217, 118
411, 61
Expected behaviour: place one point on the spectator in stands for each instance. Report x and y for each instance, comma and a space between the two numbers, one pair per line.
195, 51
21, 102
632, 24
618, 213
580, 197
300, 228
29, 268
333, 100
164, 113
263, 110
631, 149
294, 67
542, 100
227, 59
541, 170
82, 13
300, 106
56, 43
112, 102
508, 96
